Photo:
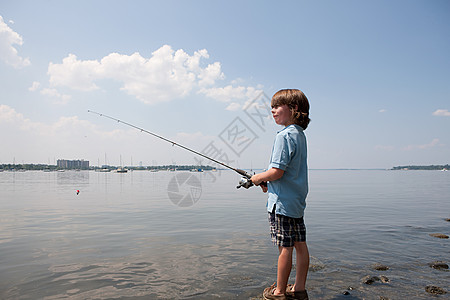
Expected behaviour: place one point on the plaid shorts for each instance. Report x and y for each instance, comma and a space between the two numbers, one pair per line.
285, 231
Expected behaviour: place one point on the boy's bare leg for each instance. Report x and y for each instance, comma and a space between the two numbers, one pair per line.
284, 269
302, 265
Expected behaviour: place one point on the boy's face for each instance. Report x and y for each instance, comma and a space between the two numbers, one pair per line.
282, 115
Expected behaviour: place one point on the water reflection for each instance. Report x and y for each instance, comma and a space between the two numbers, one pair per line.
123, 237
72, 177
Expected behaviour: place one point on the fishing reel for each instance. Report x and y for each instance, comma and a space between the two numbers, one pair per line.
247, 183
244, 182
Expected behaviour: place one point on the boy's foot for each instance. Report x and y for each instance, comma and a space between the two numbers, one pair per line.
268, 294
291, 294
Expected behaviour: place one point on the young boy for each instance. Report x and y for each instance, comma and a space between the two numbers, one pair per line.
287, 179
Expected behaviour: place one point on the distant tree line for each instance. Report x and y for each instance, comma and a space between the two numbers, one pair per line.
431, 167
28, 167
37, 167
180, 167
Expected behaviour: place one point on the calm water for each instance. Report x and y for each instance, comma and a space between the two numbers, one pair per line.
183, 235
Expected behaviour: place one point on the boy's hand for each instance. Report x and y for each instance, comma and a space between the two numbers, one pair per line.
257, 180
270, 175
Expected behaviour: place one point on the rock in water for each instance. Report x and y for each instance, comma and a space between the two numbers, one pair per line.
439, 235
371, 279
315, 264
435, 290
438, 265
380, 267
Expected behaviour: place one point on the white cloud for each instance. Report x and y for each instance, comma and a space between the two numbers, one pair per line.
210, 74
35, 86
225, 94
233, 106
382, 110
442, 113
9, 115
73, 73
61, 98
64, 127
238, 97
9, 54
166, 75
50, 92
433, 143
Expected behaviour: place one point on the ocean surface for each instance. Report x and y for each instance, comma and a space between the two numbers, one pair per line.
193, 235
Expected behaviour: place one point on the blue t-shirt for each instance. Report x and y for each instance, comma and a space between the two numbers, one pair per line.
289, 154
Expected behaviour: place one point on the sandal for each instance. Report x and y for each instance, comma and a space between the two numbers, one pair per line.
268, 294
290, 294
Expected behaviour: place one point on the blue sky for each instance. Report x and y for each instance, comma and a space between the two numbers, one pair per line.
377, 75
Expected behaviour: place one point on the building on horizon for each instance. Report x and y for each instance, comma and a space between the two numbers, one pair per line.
73, 164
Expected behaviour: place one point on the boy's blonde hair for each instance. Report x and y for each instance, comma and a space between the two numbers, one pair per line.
297, 102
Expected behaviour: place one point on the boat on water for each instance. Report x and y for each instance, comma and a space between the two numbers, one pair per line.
121, 170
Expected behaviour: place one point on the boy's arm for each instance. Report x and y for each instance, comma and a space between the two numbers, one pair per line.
269, 175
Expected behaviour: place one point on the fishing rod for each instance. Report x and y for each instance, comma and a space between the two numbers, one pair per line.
243, 182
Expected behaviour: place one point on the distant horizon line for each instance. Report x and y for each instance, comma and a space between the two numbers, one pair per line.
406, 167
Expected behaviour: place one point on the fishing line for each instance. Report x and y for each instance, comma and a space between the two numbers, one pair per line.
244, 182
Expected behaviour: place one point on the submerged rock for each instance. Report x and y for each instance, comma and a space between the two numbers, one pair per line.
439, 235
435, 290
315, 268
438, 265
372, 279
315, 264
380, 267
